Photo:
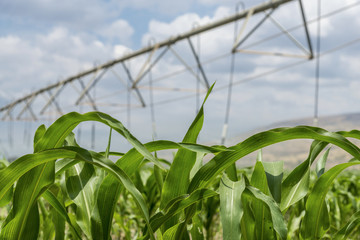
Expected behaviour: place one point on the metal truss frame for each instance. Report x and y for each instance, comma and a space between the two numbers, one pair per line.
163, 47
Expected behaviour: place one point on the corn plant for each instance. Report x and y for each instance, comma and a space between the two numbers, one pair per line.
63, 191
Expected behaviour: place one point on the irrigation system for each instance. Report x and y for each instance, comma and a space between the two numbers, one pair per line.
50, 99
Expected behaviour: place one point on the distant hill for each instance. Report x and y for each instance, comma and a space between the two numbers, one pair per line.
295, 151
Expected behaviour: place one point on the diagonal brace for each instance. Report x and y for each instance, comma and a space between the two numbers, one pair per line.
248, 16
28, 107
88, 95
91, 84
311, 55
199, 63
132, 82
52, 99
144, 72
238, 42
137, 79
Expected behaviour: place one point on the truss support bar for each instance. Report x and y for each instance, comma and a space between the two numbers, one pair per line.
199, 64
132, 82
291, 37
271, 53
55, 103
150, 67
92, 83
27, 107
88, 95
7, 113
248, 16
137, 93
252, 31
257, 9
183, 62
146, 64
311, 55
52, 98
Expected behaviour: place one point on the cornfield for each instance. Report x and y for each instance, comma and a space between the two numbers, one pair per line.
63, 191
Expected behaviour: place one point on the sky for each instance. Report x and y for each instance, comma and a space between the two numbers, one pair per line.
45, 41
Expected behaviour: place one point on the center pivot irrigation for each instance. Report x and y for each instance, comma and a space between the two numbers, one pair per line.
83, 84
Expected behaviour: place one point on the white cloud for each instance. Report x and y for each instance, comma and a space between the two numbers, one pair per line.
186, 22
120, 50
118, 32
47, 58
163, 7
83, 13
162, 30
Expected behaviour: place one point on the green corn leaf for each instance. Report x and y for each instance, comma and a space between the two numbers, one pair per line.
274, 174
296, 185
130, 163
294, 223
63, 164
198, 164
224, 159
59, 225
178, 204
316, 223
159, 176
173, 233
231, 210
24, 212
248, 223
349, 228
8, 196
320, 165
31, 225
277, 218
178, 177
56, 204
31, 185
107, 152
22, 165
62, 127
118, 154
263, 223
27, 190
39, 133
80, 187
196, 230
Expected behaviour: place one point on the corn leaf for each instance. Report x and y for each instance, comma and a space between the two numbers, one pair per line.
320, 165
231, 210
345, 232
178, 204
130, 162
277, 218
296, 184
248, 223
263, 223
8, 196
22, 165
80, 185
224, 159
178, 177
274, 174
316, 223
55, 203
